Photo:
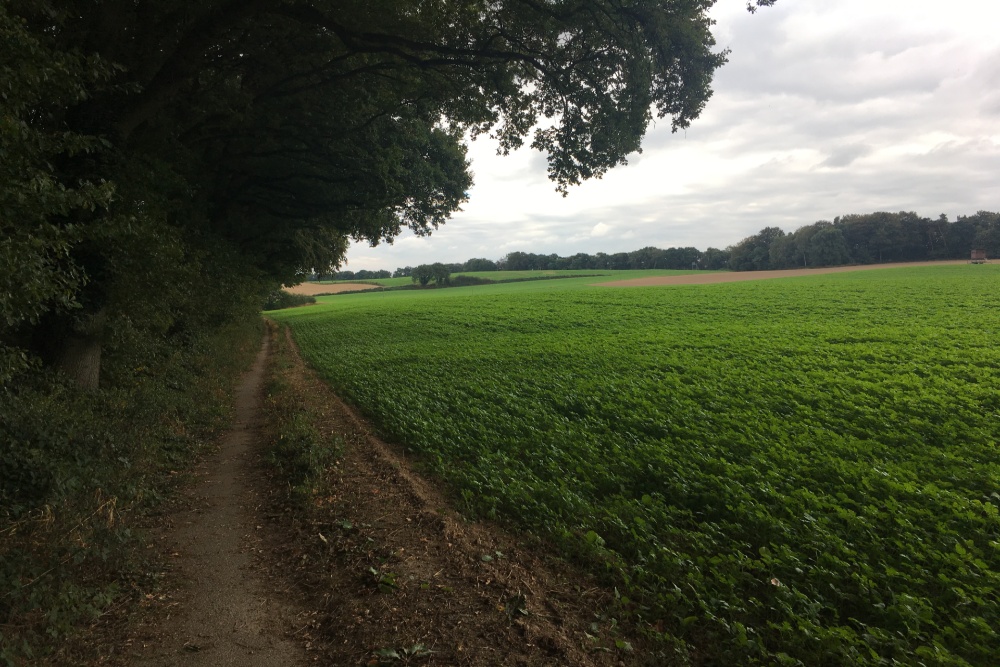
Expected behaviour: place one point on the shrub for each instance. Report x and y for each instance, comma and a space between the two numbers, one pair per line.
466, 281
279, 299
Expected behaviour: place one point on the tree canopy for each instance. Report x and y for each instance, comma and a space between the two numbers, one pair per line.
425, 273
869, 238
178, 139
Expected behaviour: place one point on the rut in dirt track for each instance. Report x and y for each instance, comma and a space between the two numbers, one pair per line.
228, 612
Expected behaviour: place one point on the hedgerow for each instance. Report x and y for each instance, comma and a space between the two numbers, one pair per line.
279, 298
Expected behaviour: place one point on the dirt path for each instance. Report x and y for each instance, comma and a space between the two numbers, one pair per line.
228, 611
739, 276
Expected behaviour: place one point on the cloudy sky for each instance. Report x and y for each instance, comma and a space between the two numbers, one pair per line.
826, 107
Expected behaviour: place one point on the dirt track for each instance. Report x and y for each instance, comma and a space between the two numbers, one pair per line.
226, 611
739, 276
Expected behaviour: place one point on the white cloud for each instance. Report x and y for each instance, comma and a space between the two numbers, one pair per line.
600, 229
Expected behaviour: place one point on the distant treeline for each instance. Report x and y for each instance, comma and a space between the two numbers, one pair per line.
645, 258
871, 238
868, 239
353, 275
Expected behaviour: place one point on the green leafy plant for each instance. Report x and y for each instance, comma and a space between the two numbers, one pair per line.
405, 655
384, 580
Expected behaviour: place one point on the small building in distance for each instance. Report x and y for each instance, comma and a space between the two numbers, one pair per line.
978, 257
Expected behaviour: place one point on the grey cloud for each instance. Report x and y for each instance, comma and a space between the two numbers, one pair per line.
749, 123
870, 61
723, 215
845, 155
955, 178
991, 105
987, 72
952, 178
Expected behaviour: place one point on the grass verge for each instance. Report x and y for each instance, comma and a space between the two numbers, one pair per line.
297, 449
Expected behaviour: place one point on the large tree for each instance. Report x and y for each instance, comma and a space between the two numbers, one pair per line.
754, 252
261, 136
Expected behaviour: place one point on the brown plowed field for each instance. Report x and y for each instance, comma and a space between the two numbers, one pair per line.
312, 289
736, 276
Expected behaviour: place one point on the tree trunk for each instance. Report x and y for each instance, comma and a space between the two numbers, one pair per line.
80, 359
76, 349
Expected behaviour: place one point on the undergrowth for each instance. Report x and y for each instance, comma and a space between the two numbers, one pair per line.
80, 471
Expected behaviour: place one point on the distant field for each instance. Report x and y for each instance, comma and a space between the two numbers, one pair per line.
797, 471
493, 275
499, 276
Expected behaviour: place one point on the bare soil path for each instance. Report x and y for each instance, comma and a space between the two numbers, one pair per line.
228, 611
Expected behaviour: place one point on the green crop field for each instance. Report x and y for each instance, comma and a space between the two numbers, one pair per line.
797, 471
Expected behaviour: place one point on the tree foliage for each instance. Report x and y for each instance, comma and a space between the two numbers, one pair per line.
479, 264
265, 136
39, 82
425, 273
